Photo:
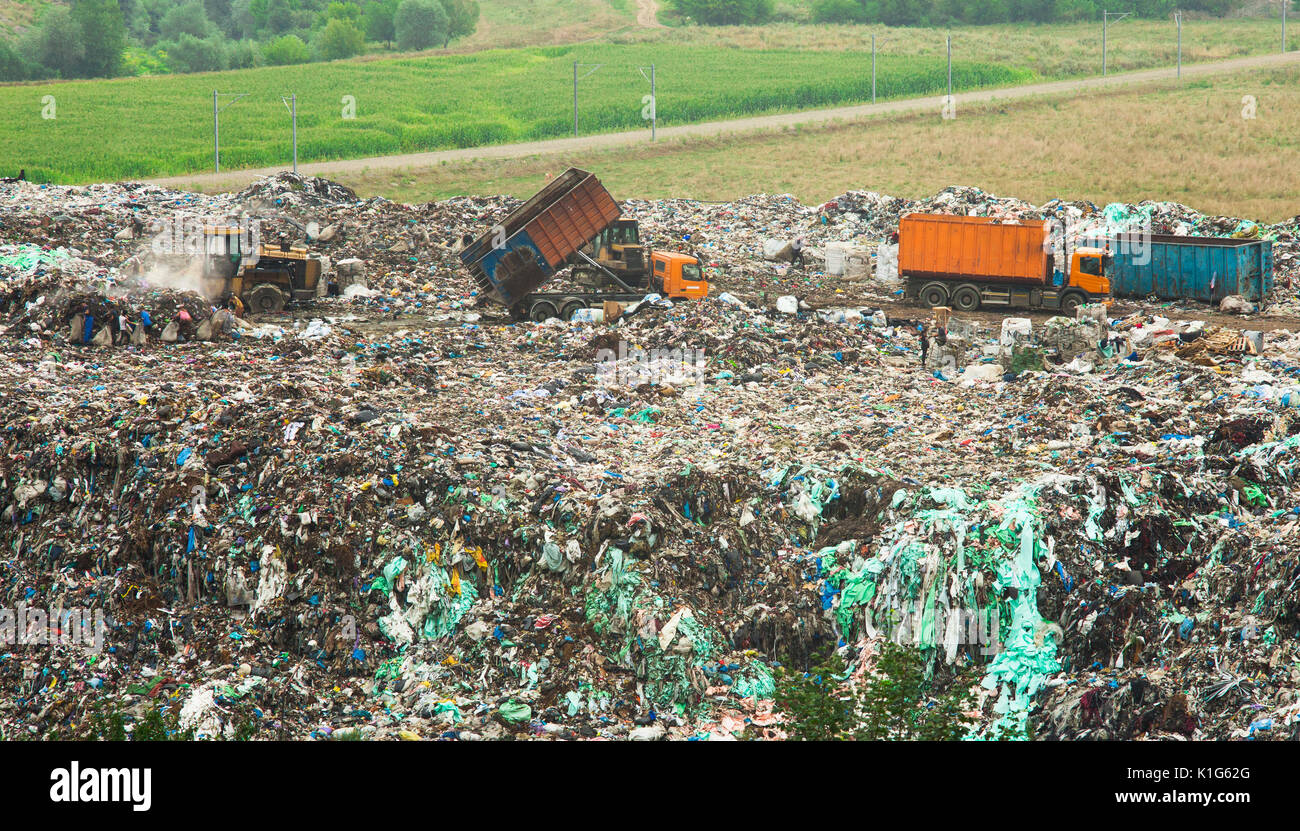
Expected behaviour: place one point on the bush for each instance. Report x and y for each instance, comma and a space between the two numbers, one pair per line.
895, 703
186, 19
787, 13
244, 54
420, 24
339, 39
286, 50
378, 20
137, 61
56, 44
13, 66
462, 17
838, 11
191, 54
103, 36
725, 12
347, 12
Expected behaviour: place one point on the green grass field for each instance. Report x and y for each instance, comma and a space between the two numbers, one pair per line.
1183, 141
134, 128
142, 127
1053, 50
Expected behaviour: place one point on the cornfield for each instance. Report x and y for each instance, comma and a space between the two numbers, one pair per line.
140, 127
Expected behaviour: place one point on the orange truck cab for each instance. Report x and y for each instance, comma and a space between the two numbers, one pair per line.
677, 276
1088, 267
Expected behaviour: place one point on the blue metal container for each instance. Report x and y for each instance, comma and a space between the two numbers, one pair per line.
1192, 268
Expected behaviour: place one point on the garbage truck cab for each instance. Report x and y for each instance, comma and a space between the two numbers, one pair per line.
677, 276
1089, 268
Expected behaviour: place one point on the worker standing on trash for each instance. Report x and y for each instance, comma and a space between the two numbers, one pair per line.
925, 342
796, 253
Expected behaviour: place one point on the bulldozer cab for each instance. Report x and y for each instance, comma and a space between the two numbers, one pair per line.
223, 257
223, 244
265, 277
619, 248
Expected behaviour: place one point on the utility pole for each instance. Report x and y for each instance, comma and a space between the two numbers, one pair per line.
950, 68
873, 65
1105, 22
1178, 18
216, 124
1285, 3
292, 103
654, 102
594, 67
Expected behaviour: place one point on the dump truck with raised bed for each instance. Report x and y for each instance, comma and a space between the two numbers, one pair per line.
1190, 268
971, 261
574, 221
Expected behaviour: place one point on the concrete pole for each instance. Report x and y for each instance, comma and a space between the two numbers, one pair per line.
294, 112
873, 69
216, 135
575, 99
950, 68
1104, 20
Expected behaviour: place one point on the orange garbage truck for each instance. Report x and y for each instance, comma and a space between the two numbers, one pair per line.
969, 262
573, 221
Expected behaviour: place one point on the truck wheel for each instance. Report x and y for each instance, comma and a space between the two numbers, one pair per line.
966, 298
542, 311
934, 294
570, 308
266, 299
1070, 302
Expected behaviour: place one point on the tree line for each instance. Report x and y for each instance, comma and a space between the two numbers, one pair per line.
109, 38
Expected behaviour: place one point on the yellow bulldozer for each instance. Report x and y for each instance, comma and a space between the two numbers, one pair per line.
265, 278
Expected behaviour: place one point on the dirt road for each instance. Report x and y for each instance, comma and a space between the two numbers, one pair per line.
646, 14
237, 179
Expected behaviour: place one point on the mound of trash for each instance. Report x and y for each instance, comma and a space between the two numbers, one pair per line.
458, 526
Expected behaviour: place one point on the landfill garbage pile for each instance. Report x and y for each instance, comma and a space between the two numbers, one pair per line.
731, 237
408, 251
623, 530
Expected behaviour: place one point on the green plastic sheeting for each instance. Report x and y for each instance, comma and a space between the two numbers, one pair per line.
515, 711
754, 681
1028, 657
666, 673
449, 711
449, 609
1120, 217
923, 574
30, 257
